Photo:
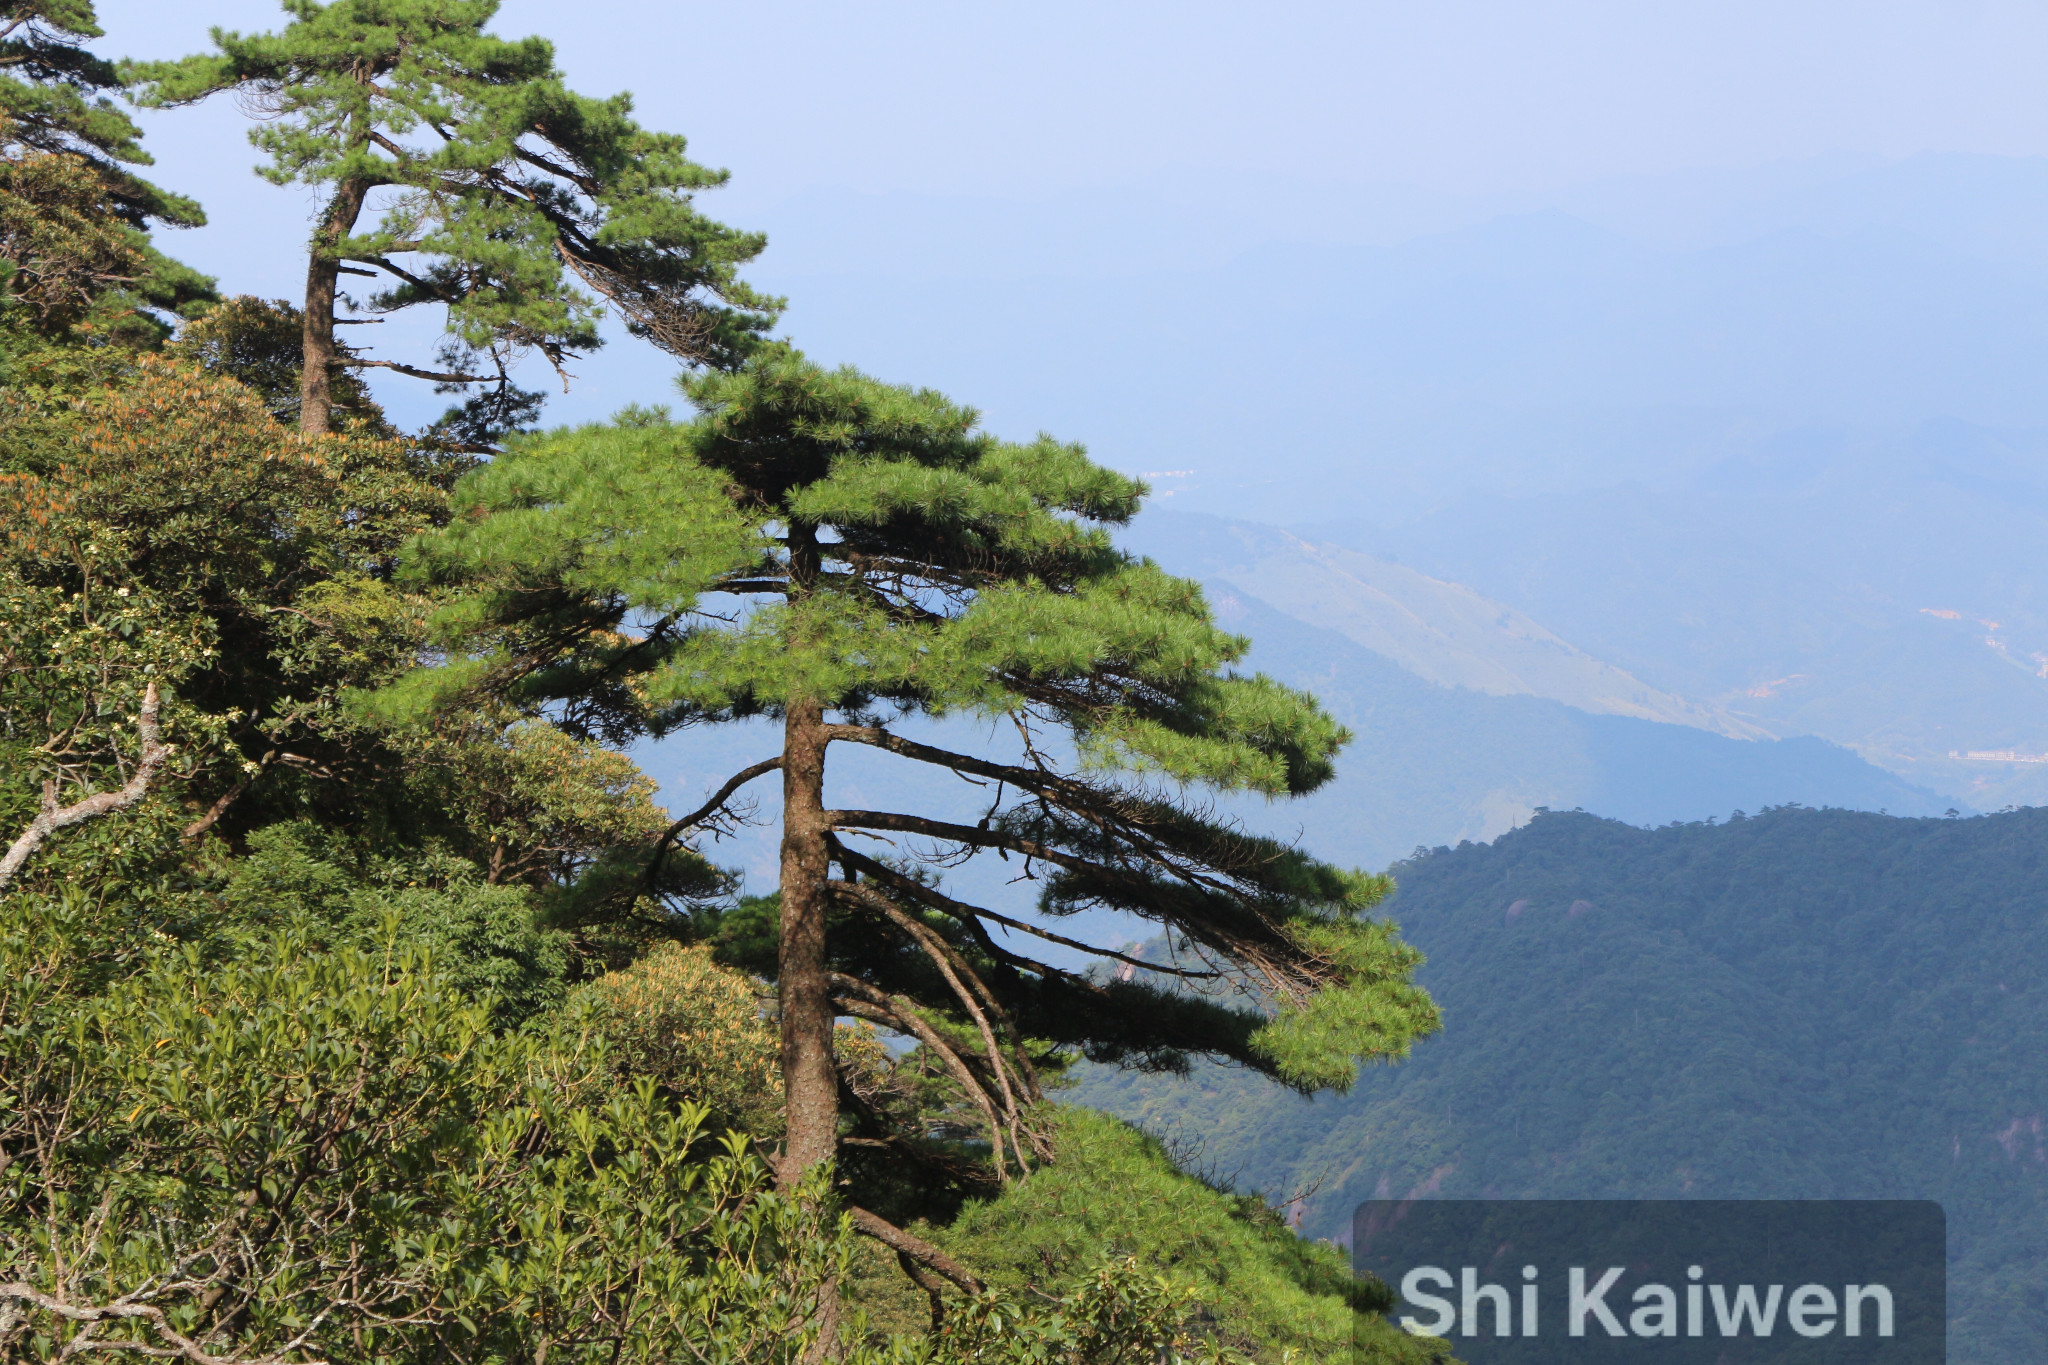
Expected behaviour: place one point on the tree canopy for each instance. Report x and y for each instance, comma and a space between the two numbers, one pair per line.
508, 196
358, 999
74, 214
56, 98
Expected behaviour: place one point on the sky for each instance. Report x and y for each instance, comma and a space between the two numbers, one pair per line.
1462, 96
902, 138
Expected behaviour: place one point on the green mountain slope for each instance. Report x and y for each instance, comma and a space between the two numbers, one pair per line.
1802, 1004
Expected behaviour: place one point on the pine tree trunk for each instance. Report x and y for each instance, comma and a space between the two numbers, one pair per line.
810, 1083
323, 270
804, 992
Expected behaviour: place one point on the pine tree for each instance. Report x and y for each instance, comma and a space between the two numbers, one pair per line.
74, 215
505, 197
54, 99
845, 557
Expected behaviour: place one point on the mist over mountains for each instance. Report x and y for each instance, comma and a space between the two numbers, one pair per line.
1386, 350
1739, 456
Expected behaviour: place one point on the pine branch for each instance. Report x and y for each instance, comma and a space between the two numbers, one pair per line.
435, 375
964, 912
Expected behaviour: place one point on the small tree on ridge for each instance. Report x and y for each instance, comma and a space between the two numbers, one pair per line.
508, 191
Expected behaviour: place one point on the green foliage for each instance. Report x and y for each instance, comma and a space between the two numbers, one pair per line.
267, 552
73, 670
485, 939
170, 529
698, 1029
1119, 1315
309, 1051
334, 1152
81, 285
1804, 1004
256, 342
1115, 1197
75, 276
54, 100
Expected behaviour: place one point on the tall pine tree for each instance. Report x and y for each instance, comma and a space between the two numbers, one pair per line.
852, 559
506, 196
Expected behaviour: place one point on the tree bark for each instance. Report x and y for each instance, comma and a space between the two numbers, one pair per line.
803, 982
323, 270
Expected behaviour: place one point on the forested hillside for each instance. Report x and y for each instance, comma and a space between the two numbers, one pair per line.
1798, 1004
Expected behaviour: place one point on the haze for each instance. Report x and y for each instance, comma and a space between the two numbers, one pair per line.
1703, 339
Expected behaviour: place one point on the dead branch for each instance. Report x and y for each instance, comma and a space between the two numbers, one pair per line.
709, 808
53, 817
181, 1347
953, 967
858, 998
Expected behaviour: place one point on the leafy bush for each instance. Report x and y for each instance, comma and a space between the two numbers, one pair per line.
679, 1018
334, 1153
1227, 1268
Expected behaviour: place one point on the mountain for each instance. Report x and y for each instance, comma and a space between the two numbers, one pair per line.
1467, 715
1796, 1004
1442, 632
1879, 594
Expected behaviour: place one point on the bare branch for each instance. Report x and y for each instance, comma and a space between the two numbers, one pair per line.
709, 808
916, 1248
181, 1347
53, 818
923, 1279
436, 375
950, 966
232, 794
861, 1000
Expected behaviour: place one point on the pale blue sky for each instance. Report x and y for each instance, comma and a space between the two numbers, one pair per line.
1105, 219
1462, 95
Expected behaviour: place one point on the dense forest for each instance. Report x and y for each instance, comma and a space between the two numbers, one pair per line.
358, 1001
1798, 1004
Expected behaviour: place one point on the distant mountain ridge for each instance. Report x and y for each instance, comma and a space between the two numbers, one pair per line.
1883, 594
1468, 716
1442, 632
1799, 1004
1431, 765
